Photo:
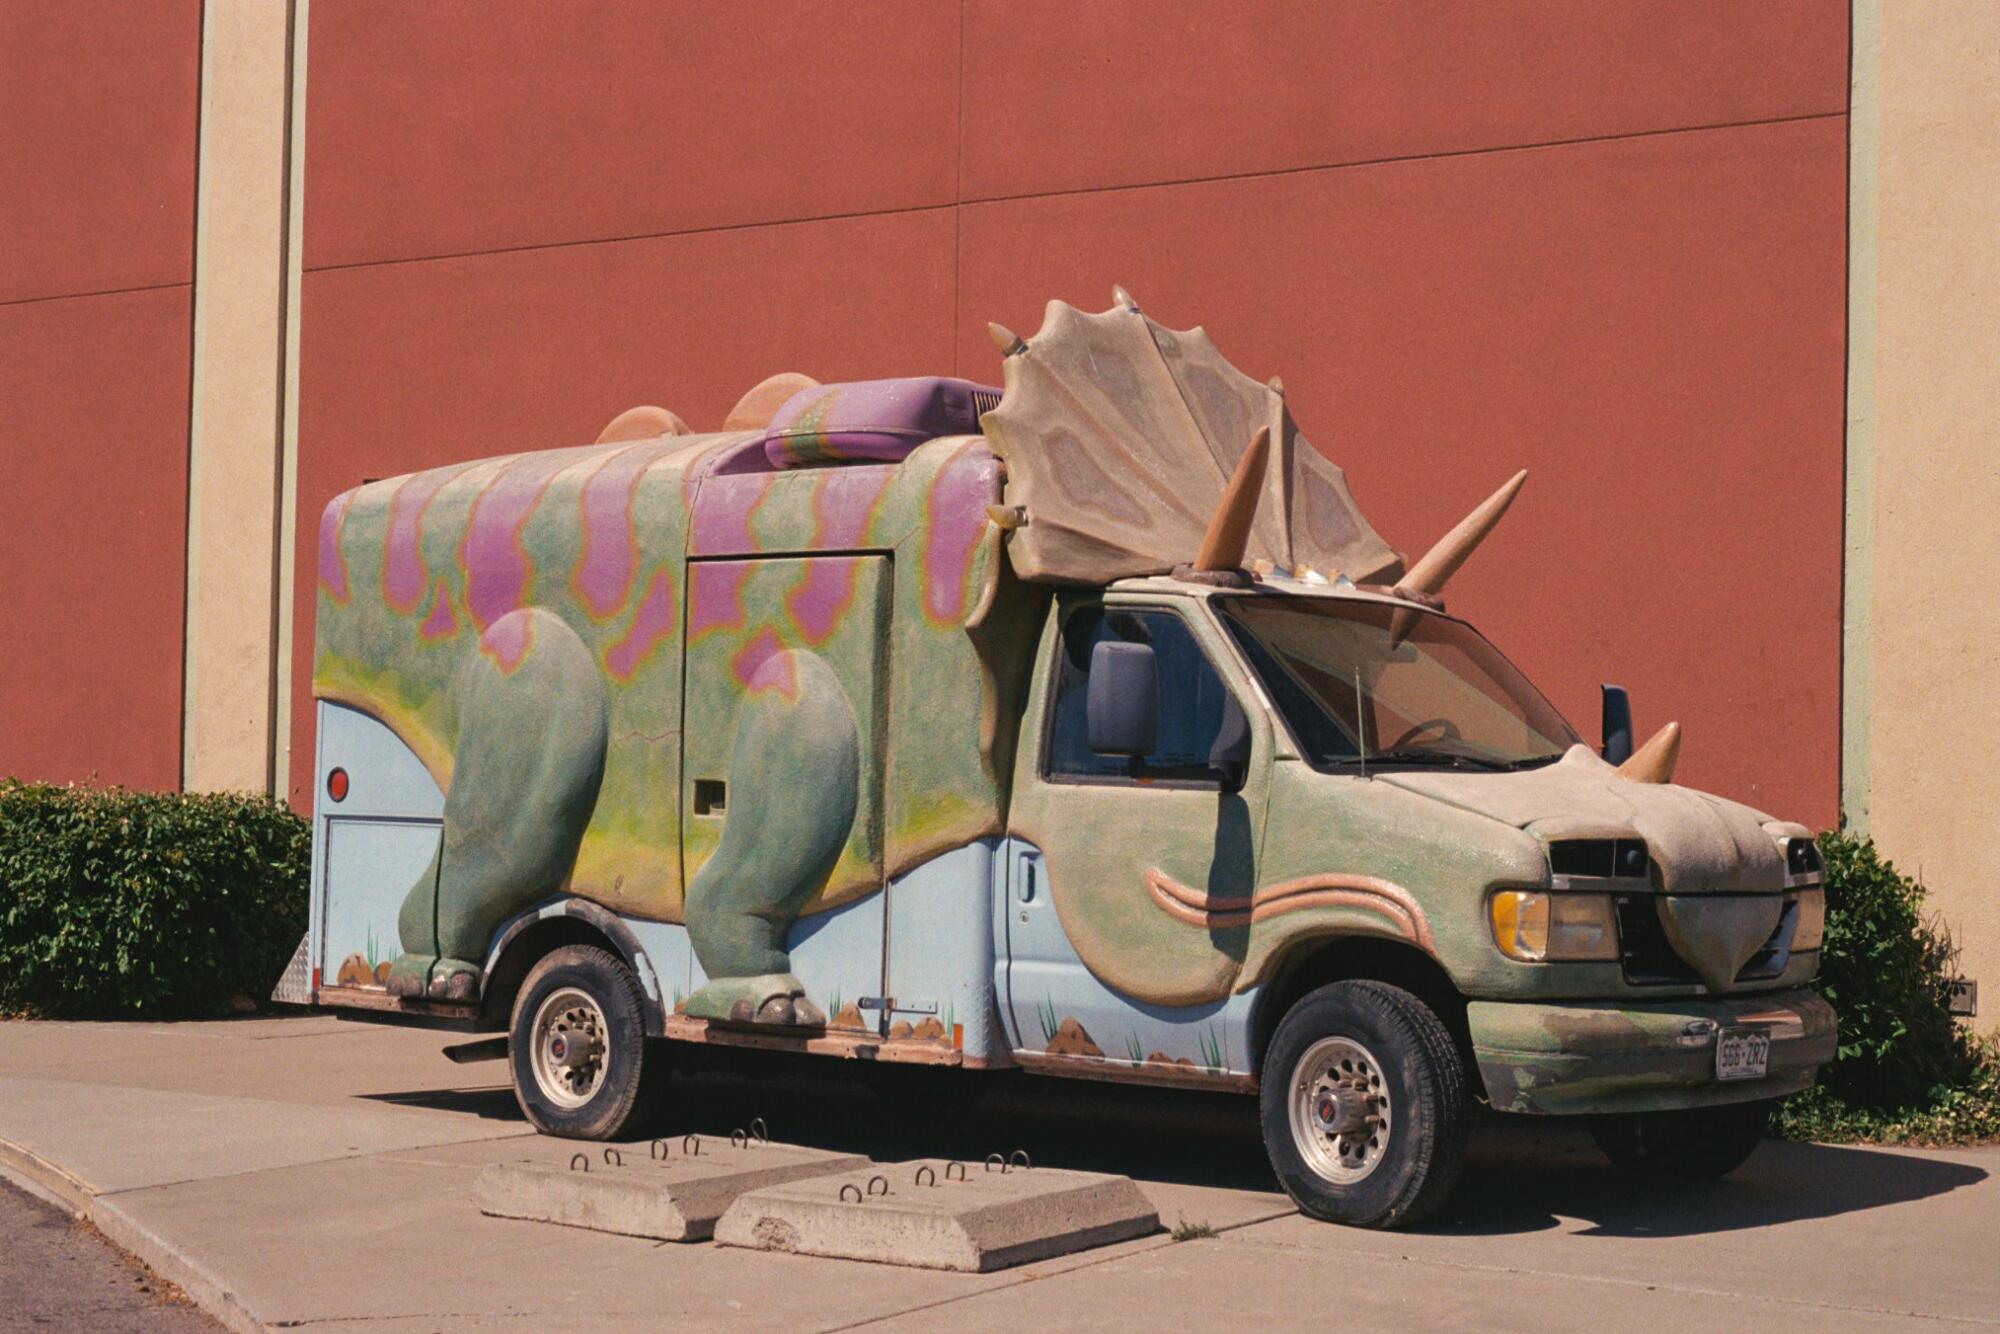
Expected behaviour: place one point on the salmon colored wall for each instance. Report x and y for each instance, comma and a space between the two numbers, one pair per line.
1602, 241
96, 260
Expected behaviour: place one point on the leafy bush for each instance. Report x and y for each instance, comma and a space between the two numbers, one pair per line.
117, 904
1906, 1070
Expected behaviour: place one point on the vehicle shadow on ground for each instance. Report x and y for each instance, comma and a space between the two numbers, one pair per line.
489, 1104
1782, 1183
1524, 1174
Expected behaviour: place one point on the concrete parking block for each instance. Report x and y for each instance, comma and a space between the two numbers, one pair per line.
934, 1214
670, 1191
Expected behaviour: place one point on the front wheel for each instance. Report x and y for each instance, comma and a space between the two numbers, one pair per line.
1698, 1144
577, 1046
1364, 1106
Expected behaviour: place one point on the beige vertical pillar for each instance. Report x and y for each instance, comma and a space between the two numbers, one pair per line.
236, 428
1933, 679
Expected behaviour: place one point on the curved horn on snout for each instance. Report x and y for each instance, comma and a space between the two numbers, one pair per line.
1228, 535
1441, 562
1654, 761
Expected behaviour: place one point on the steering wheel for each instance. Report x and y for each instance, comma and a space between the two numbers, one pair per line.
1446, 729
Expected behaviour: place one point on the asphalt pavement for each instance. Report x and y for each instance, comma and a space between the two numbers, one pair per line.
58, 1273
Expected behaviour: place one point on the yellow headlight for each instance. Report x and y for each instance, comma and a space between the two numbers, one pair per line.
1809, 932
1538, 927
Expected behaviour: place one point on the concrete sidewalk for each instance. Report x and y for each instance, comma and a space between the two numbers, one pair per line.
297, 1172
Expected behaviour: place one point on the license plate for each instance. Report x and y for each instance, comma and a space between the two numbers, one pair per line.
1742, 1053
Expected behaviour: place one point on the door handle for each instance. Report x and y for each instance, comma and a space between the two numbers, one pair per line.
1025, 888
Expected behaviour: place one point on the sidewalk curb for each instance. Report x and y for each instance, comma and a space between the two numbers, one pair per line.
45, 1180
76, 1197
208, 1292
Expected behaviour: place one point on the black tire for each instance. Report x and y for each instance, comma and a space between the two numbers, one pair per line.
616, 1098
1698, 1144
1407, 1177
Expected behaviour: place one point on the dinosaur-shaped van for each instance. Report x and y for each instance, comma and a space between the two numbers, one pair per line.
1084, 726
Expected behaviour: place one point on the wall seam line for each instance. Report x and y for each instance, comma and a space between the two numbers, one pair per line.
1857, 593
107, 291
191, 514
1224, 178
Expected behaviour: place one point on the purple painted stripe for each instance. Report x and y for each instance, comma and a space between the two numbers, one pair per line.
822, 596
653, 622
332, 564
715, 597
508, 641
762, 666
496, 565
609, 561
722, 510
844, 504
404, 576
954, 521
442, 623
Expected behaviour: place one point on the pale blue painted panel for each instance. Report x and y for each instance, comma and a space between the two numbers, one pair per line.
1047, 983
941, 945
837, 955
392, 811
370, 866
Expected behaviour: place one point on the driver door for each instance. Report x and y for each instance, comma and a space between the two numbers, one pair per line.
1100, 966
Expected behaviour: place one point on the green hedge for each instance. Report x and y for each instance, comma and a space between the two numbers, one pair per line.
117, 904
1906, 1070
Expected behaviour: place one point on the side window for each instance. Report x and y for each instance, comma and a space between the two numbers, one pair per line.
1193, 701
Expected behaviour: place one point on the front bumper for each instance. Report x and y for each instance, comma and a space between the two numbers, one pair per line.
1566, 1058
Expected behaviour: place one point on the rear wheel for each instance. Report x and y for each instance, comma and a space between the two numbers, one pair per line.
1698, 1144
1364, 1106
577, 1047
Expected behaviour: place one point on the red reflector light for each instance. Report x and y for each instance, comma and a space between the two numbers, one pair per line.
336, 785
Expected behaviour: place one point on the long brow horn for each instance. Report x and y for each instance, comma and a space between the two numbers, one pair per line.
1228, 534
1654, 761
1441, 562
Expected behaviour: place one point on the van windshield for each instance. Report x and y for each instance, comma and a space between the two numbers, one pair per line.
1441, 696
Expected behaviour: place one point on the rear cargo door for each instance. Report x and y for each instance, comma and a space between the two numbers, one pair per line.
740, 612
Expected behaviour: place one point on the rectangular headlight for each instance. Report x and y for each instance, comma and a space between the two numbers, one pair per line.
1810, 930
1534, 926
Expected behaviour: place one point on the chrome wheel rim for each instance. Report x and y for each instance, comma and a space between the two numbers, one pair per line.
571, 1050
1340, 1110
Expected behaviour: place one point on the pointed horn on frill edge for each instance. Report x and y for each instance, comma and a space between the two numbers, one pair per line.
1228, 535
1654, 761
1009, 342
1441, 562
1122, 298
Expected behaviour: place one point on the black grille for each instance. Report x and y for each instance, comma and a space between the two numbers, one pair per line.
1649, 958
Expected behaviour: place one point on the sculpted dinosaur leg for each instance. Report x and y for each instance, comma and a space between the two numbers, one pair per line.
530, 756
794, 784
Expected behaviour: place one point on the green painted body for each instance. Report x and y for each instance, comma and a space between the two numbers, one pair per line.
536, 628
730, 698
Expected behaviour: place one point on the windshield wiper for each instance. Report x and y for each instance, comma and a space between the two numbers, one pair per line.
1443, 759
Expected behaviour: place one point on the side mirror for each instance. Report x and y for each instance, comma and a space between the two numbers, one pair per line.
1122, 710
1617, 726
